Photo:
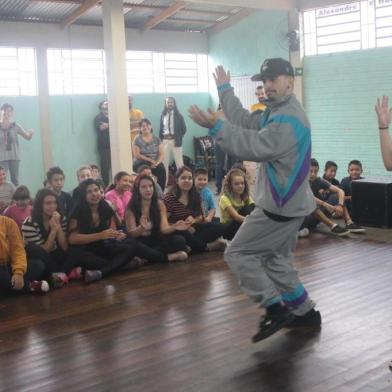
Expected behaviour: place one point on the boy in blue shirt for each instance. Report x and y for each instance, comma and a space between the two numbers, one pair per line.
354, 171
207, 199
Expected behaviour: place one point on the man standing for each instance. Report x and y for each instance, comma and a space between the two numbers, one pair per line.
135, 115
261, 253
260, 94
101, 125
171, 131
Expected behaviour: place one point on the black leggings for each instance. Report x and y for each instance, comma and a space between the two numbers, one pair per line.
231, 228
35, 271
106, 257
55, 261
165, 244
205, 233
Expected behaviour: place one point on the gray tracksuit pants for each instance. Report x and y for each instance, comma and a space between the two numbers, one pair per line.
261, 257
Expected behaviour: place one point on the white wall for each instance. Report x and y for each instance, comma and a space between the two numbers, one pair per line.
91, 37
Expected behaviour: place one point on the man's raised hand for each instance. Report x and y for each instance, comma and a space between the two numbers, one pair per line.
204, 119
221, 76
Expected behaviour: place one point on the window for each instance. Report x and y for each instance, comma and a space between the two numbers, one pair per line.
166, 72
83, 72
76, 71
352, 26
17, 71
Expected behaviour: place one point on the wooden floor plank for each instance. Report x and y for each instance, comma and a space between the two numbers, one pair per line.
187, 327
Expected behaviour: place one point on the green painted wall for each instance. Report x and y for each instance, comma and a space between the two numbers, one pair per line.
243, 47
340, 91
73, 137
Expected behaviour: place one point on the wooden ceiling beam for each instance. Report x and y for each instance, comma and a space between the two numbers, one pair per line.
84, 7
164, 14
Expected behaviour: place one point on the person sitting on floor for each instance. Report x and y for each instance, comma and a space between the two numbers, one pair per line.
119, 193
146, 220
145, 170
235, 203
45, 237
354, 171
7, 189
184, 204
207, 199
326, 210
56, 179
21, 208
17, 274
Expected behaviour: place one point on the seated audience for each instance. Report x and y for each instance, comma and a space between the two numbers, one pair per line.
146, 220
326, 210
96, 174
330, 173
148, 150
119, 193
207, 198
354, 171
18, 274
92, 228
45, 237
7, 189
146, 171
82, 174
21, 208
56, 179
183, 205
330, 176
235, 202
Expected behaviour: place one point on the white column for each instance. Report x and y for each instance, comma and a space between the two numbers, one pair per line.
114, 44
295, 56
43, 102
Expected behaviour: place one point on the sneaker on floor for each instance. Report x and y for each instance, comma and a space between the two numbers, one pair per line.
59, 279
272, 323
311, 319
303, 233
91, 276
217, 246
39, 286
178, 256
355, 228
75, 274
339, 230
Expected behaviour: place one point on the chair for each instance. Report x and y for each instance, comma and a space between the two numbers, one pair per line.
204, 149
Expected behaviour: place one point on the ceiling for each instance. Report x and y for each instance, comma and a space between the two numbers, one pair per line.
140, 14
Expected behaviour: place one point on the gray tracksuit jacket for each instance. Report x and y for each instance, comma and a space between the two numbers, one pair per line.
279, 140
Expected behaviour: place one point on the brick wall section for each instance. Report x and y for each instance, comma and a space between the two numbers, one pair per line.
340, 92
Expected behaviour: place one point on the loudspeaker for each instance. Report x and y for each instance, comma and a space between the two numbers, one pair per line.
372, 202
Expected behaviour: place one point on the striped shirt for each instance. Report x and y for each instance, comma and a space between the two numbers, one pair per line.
176, 210
32, 233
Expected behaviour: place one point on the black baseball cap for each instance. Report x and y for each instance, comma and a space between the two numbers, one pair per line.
271, 68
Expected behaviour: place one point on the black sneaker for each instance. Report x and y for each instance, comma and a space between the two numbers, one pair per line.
355, 228
272, 323
339, 230
312, 319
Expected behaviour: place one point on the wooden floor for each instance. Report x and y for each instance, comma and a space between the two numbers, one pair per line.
187, 327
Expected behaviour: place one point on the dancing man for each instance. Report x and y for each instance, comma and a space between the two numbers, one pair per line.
261, 253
